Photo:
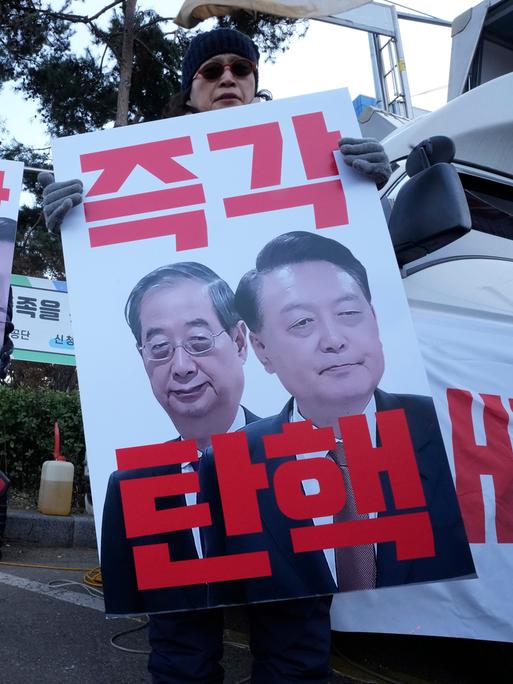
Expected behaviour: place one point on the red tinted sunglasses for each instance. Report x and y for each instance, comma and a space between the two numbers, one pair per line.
214, 70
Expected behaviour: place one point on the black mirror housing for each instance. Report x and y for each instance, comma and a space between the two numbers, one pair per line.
429, 212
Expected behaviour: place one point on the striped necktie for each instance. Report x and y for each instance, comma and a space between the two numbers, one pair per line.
356, 565
195, 467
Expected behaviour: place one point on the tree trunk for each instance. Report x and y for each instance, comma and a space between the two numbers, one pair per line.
126, 64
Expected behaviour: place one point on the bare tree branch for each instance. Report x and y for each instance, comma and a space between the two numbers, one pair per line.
152, 54
105, 38
78, 18
103, 56
156, 20
105, 9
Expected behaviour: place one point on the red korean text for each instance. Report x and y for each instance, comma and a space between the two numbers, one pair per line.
472, 460
177, 208
240, 479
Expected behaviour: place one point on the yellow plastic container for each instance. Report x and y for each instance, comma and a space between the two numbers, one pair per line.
56, 488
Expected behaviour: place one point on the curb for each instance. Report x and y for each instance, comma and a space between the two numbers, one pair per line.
33, 527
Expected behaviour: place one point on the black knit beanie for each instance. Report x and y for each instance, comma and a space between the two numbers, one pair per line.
216, 42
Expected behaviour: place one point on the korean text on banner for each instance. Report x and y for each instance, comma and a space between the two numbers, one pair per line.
469, 359
42, 324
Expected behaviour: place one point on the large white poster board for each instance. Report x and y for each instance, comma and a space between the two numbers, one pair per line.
229, 190
11, 175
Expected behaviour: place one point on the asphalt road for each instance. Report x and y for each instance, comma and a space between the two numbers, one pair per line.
53, 631
55, 635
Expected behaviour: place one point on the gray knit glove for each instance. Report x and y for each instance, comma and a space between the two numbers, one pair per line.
58, 198
368, 156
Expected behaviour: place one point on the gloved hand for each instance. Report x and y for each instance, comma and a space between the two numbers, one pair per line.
368, 156
58, 198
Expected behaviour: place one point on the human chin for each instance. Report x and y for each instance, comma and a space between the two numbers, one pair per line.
354, 385
225, 102
198, 400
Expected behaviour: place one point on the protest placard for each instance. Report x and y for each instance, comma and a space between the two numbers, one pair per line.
11, 174
339, 463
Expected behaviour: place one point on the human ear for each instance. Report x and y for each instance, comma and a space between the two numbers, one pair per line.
239, 336
261, 352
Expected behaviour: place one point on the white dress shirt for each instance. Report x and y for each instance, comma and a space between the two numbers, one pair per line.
191, 497
312, 486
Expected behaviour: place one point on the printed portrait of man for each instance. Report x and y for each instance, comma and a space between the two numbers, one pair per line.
7, 238
193, 345
308, 306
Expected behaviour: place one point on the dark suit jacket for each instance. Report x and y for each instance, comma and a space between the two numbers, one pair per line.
305, 574
121, 594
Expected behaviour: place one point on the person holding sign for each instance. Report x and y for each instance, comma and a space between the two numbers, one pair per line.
220, 69
193, 347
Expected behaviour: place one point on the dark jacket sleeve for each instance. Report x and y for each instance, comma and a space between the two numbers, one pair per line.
118, 574
7, 343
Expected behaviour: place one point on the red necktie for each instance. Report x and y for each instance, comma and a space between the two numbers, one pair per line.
356, 565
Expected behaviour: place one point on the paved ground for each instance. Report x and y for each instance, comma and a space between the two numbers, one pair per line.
54, 631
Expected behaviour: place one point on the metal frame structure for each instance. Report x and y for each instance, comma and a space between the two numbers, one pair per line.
381, 22
388, 64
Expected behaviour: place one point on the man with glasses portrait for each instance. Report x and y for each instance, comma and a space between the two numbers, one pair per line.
193, 346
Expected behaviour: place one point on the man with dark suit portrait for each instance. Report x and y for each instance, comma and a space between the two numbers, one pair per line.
7, 239
308, 307
193, 347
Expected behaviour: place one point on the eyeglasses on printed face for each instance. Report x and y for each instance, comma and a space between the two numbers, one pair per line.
161, 349
211, 71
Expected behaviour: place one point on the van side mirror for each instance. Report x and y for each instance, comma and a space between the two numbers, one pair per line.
431, 209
